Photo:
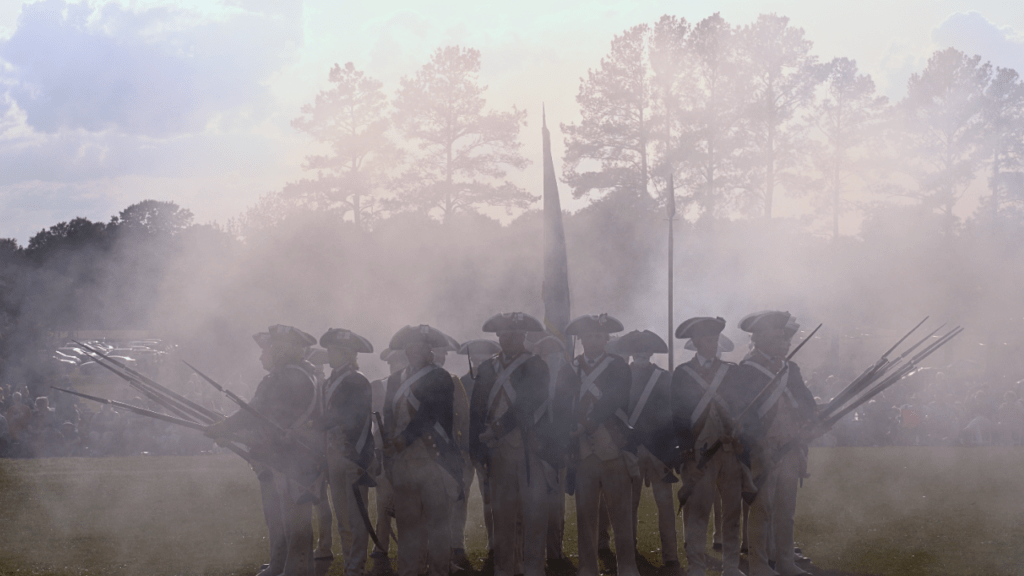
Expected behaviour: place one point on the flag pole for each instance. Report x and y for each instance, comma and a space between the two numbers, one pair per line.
670, 206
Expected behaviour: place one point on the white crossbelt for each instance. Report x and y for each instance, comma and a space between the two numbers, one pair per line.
504, 380
408, 382
710, 390
329, 394
415, 402
644, 396
588, 383
781, 387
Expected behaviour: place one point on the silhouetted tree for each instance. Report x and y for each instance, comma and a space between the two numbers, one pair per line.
351, 118
463, 153
844, 118
785, 75
1003, 140
72, 235
153, 217
670, 80
942, 129
615, 132
713, 109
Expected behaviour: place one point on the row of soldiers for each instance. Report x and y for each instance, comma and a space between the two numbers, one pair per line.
531, 424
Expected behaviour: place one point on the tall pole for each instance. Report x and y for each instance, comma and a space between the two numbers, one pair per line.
670, 206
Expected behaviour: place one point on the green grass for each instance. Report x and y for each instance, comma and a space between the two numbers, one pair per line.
916, 511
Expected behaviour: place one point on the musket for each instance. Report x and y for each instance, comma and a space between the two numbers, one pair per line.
143, 412
877, 369
166, 402
137, 410
819, 428
281, 432
211, 415
901, 372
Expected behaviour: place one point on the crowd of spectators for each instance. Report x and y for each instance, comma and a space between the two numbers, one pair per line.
932, 408
57, 424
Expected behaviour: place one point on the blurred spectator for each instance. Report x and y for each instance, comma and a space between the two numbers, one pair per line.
18, 416
6, 441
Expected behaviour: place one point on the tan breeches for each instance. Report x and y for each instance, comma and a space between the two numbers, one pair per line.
722, 478
515, 498
290, 527
612, 482
652, 472
424, 496
354, 536
771, 517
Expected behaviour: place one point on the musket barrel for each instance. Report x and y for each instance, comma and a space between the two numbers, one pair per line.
210, 415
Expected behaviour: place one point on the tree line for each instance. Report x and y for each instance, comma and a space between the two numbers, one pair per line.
394, 223
734, 113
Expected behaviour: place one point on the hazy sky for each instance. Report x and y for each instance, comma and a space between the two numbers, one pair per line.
109, 103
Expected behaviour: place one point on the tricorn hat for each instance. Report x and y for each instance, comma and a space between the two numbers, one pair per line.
513, 321
766, 320
699, 326
279, 333
346, 339
637, 342
593, 323
423, 333
724, 344
479, 346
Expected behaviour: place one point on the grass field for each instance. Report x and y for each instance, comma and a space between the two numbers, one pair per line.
917, 511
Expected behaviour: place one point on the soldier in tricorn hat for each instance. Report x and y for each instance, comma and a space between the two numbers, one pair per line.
704, 402
775, 420
346, 422
421, 455
650, 415
287, 398
508, 400
603, 465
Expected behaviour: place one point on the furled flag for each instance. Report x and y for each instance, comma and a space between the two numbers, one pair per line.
555, 290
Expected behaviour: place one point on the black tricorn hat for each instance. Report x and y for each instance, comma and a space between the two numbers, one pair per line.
422, 333
593, 323
513, 321
346, 339
479, 346
637, 342
279, 333
766, 320
724, 344
699, 326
